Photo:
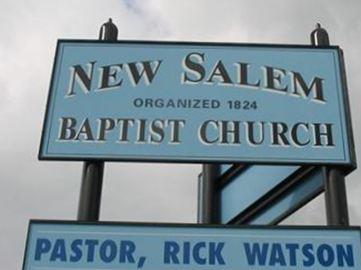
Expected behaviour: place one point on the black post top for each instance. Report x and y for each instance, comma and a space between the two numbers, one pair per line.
108, 31
319, 36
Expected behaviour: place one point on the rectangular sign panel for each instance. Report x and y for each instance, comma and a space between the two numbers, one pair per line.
65, 245
197, 102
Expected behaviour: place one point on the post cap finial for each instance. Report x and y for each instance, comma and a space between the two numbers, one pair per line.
108, 31
319, 36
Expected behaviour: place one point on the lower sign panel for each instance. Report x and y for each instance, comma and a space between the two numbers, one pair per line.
71, 245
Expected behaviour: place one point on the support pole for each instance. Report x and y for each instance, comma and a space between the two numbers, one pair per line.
92, 177
335, 198
208, 200
91, 191
335, 189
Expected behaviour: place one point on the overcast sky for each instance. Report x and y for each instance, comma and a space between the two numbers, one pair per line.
136, 192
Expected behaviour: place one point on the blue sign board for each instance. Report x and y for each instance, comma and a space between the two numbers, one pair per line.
297, 196
224, 168
71, 245
250, 186
248, 195
197, 102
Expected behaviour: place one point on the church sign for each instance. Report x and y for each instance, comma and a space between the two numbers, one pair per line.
59, 245
197, 102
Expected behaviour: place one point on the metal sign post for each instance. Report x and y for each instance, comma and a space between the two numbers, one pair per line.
335, 189
208, 212
92, 178
336, 198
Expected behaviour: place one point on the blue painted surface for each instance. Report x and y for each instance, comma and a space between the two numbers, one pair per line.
250, 186
119, 246
224, 168
118, 103
310, 185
